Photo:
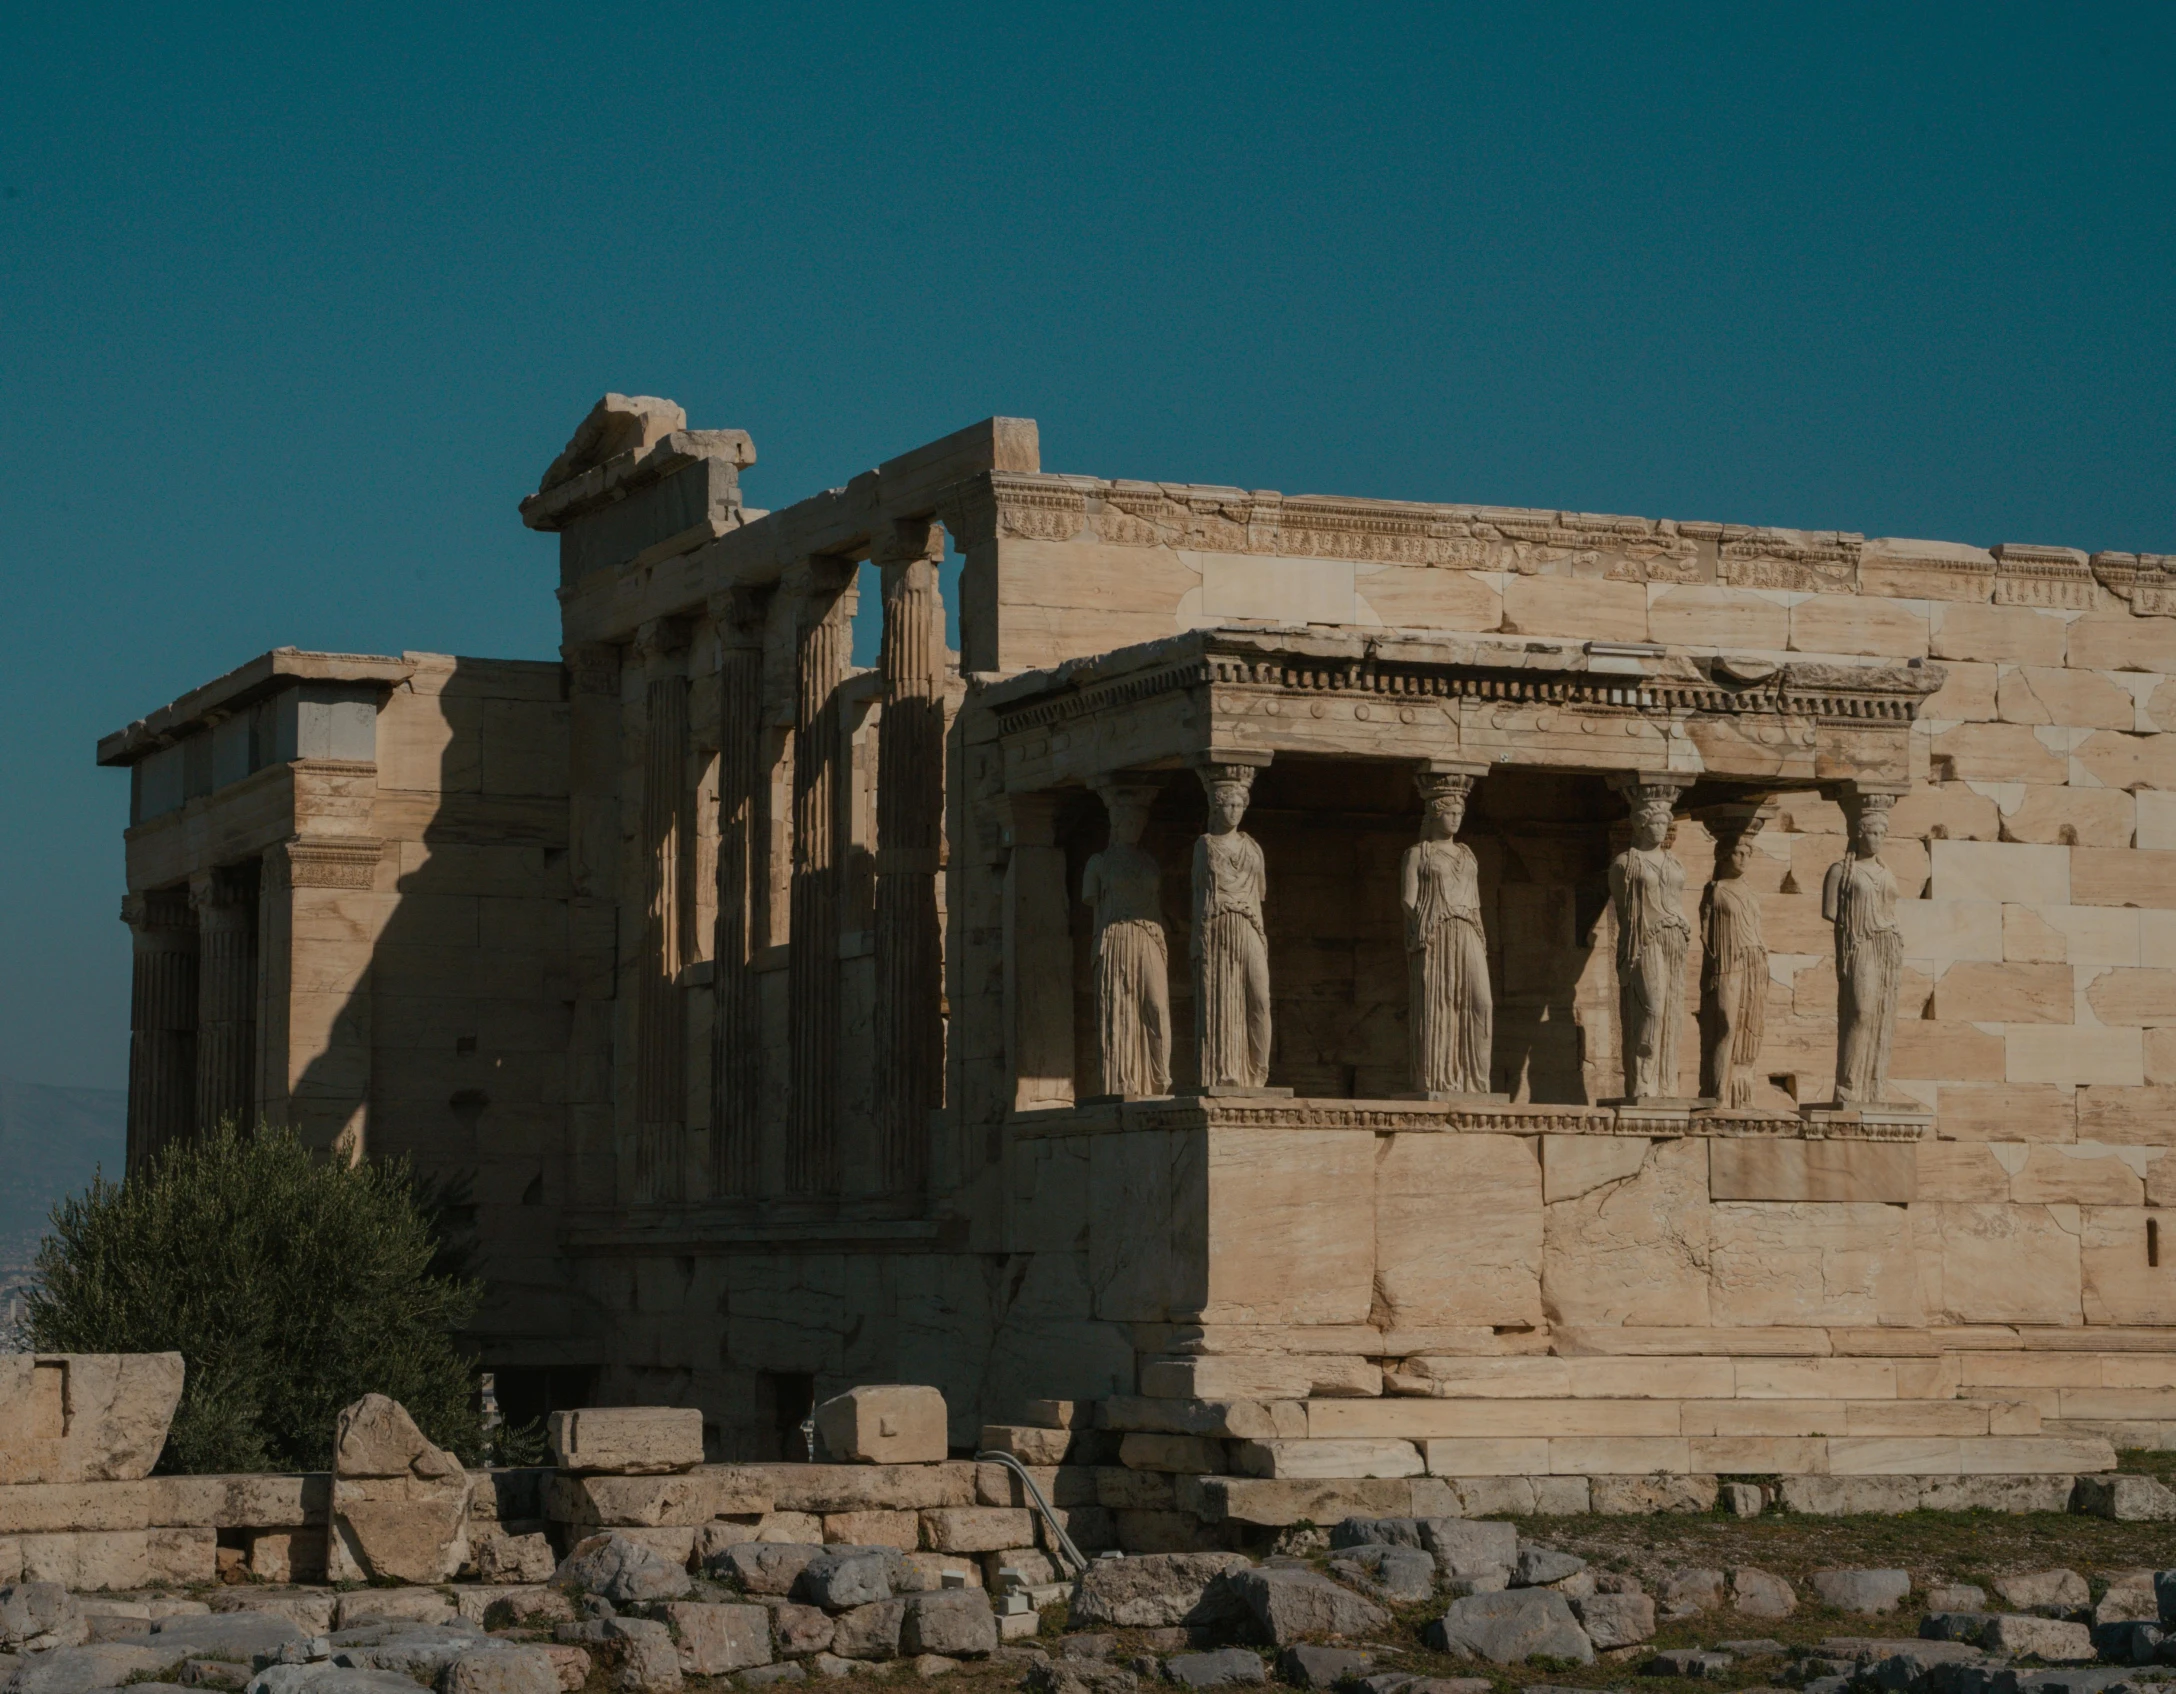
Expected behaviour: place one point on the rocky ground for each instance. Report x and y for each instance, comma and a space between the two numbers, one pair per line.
1921, 1604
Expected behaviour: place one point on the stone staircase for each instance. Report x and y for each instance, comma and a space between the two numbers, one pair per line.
1928, 1414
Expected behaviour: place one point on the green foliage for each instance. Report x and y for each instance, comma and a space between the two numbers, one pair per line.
291, 1285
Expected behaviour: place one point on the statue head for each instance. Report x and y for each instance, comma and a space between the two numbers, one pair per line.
1227, 805
1867, 816
1443, 816
1443, 796
1651, 821
1227, 787
1127, 805
1737, 853
1129, 817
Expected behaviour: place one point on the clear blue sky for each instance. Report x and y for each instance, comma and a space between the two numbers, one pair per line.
296, 302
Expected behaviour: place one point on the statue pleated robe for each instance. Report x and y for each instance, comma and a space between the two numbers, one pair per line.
1451, 1014
1869, 971
1737, 989
1646, 886
1231, 961
1123, 886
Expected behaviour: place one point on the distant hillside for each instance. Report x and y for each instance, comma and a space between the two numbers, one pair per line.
52, 1140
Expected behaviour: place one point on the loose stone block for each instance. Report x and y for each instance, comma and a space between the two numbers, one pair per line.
690, 1498
1186, 1454
628, 1440
1154, 1591
884, 1424
1328, 1458
977, 1529
1510, 1628
85, 1417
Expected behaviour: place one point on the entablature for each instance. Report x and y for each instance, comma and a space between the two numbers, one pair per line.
1592, 707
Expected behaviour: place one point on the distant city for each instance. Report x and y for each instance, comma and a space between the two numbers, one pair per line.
53, 1141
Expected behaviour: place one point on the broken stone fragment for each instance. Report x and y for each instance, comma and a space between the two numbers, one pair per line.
1863, 1590
1511, 1627
1156, 1590
622, 1570
400, 1504
1761, 1594
1615, 1620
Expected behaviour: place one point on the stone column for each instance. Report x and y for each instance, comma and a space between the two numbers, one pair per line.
162, 1022
1230, 945
1647, 895
823, 645
910, 852
1859, 897
660, 1016
736, 1046
1734, 961
226, 1022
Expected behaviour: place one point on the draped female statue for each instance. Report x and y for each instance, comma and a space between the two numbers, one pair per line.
1231, 953
1734, 973
1859, 896
1123, 887
1646, 891
1450, 1014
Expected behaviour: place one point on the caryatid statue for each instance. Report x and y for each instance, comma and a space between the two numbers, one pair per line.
1231, 952
1450, 1014
1734, 968
1123, 887
1646, 891
1858, 896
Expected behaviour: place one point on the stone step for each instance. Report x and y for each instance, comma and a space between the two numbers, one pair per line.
1706, 1377
1637, 1455
1436, 1419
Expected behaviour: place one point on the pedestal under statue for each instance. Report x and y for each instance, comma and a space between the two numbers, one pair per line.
1230, 950
1646, 891
1451, 1016
1123, 887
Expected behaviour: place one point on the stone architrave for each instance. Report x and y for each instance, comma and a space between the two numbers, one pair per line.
400, 1504
1646, 891
1451, 1013
1230, 948
1734, 965
1858, 896
1123, 887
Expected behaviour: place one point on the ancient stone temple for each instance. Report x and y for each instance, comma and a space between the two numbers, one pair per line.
1400, 990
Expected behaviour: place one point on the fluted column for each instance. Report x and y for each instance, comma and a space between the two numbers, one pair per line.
162, 1022
226, 1021
910, 850
736, 1045
822, 650
660, 1018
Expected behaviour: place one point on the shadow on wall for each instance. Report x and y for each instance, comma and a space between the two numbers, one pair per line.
432, 995
1333, 834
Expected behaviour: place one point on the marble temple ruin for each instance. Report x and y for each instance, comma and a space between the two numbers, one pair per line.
1363, 990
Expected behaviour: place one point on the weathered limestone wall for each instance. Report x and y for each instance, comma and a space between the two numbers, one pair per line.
401, 824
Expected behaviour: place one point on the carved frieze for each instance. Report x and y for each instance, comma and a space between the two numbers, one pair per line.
1884, 694
1423, 1117
1232, 520
2144, 581
1802, 561
345, 862
2056, 577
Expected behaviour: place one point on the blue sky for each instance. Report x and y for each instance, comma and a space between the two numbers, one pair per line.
295, 303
